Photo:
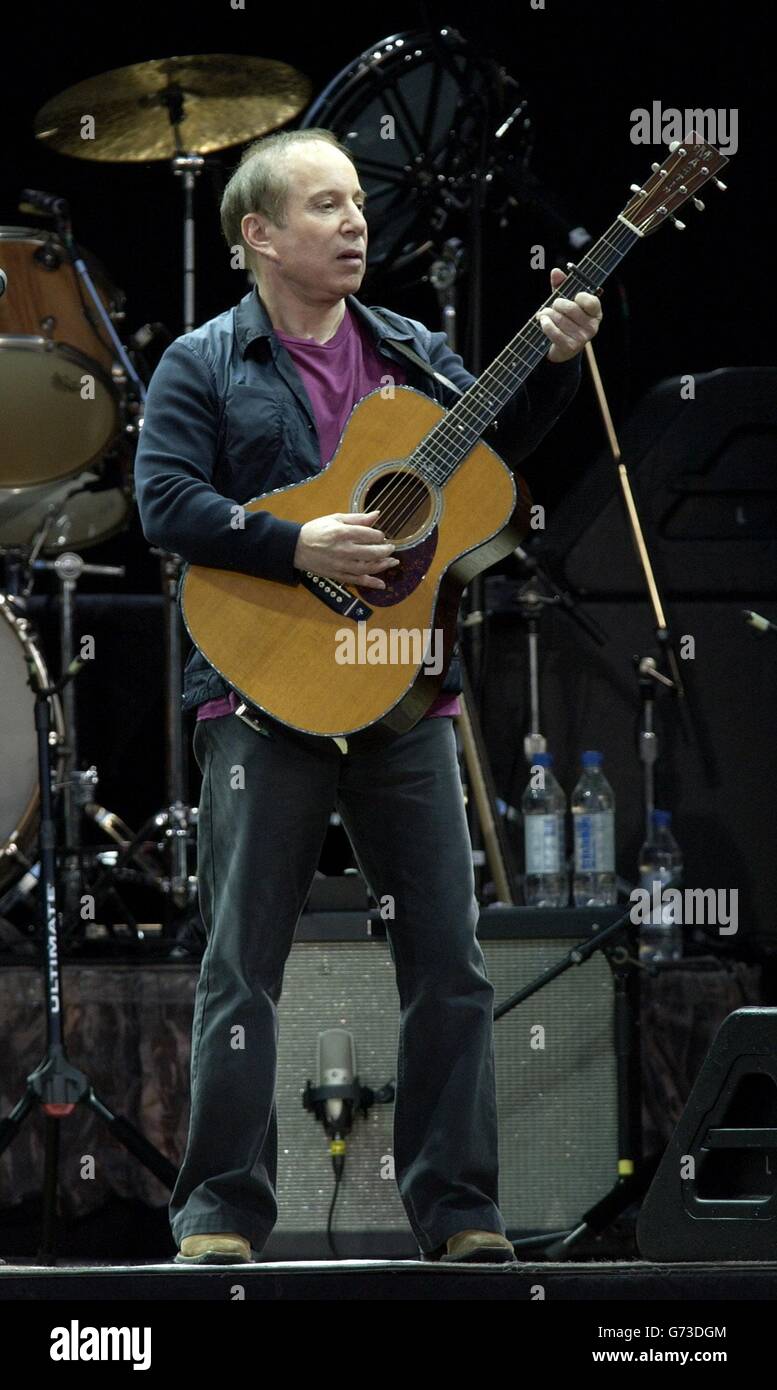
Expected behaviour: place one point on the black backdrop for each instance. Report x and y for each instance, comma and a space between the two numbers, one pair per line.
686, 302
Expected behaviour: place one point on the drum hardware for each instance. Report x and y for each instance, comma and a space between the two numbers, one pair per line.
77, 786
56, 1085
51, 204
19, 791
62, 409
47, 256
178, 819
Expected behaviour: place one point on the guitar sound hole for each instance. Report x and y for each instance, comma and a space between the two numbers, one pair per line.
405, 504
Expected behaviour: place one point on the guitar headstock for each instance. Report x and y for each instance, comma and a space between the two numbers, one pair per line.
690, 163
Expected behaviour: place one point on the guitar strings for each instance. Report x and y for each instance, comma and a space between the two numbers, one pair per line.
616, 240
437, 451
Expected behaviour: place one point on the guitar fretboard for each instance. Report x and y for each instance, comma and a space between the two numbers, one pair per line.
453, 437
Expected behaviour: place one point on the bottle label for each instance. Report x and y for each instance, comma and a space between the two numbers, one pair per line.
662, 901
595, 843
542, 839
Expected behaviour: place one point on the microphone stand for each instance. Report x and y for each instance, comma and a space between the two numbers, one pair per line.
651, 677
531, 602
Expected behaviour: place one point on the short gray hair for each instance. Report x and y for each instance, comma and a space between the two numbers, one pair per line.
260, 183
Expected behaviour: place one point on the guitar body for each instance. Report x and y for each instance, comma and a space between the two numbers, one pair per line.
328, 659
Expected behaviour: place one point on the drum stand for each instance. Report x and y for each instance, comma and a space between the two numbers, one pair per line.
179, 819
78, 785
56, 1085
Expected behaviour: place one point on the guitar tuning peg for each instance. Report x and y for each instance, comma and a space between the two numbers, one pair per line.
655, 168
678, 224
698, 204
721, 186
635, 188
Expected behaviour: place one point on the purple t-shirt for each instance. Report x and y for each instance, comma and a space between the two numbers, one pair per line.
336, 375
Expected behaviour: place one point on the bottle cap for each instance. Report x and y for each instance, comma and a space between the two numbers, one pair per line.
591, 759
662, 819
542, 760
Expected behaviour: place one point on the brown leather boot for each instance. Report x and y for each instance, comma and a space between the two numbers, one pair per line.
223, 1248
478, 1247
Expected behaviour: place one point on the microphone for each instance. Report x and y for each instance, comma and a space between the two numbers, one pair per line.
336, 1070
47, 204
755, 620
3, 283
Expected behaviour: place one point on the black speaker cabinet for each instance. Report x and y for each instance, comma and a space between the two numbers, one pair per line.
714, 1196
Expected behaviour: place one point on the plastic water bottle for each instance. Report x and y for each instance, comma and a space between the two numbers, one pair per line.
544, 811
660, 865
593, 818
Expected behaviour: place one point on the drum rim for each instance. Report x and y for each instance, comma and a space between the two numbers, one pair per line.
373, 57
23, 834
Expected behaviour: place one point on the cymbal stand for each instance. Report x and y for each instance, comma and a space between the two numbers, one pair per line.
187, 167
179, 819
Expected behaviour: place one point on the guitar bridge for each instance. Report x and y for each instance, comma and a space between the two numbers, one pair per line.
336, 597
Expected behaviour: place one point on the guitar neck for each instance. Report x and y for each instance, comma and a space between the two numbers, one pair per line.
465, 423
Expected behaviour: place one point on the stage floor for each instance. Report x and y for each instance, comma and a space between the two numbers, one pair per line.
738, 1281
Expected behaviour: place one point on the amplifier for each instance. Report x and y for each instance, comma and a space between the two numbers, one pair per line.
555, 1070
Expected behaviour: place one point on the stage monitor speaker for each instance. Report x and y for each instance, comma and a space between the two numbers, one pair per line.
558, 1138
714, 1196
702, 456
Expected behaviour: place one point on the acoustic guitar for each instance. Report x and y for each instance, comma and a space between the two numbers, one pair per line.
329, 659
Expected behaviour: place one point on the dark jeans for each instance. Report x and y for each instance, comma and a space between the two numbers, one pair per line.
258, 849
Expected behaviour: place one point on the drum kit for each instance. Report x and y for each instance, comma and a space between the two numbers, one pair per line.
72, 390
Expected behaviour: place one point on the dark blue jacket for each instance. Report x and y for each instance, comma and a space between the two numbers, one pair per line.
227, 419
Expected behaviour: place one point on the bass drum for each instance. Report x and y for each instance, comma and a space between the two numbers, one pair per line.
410, 111
60, 405
19, 785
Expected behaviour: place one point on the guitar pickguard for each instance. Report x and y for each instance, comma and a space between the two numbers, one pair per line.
404, 577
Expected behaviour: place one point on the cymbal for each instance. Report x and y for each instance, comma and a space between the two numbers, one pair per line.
226, 100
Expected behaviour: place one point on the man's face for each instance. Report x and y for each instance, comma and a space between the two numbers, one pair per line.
321, 251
